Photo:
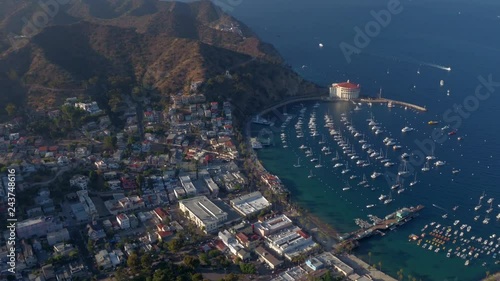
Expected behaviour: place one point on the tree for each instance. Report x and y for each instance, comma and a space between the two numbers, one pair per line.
133, 261
146, 261
191, 262
11, 109
110, 142
197, 277
175, 245
247, 268
203, 258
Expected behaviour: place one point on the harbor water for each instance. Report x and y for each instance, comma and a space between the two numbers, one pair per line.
434, 53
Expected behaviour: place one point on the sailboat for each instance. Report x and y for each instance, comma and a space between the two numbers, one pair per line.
414, 182
426, 167
322, 141
346, 170
364, 181
310, 174
491, 207
389, 200
319, 163
479, 204
404, 171
298, 163
336, 158
397, 184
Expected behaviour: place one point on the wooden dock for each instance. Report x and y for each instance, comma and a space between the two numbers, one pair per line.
394, 102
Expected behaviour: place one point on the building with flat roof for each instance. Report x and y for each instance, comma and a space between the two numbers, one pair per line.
268, 258
204, 213
250, 204
272, 225
57, 236
212, 186
290, 242
188, 185
123, 221
345, 90
39, 226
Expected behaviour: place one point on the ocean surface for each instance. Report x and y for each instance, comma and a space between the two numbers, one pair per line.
408, 59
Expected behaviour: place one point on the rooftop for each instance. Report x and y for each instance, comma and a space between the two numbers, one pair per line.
347, 85
250, 203
203, 208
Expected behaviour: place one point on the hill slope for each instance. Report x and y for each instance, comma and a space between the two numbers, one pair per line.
106, 48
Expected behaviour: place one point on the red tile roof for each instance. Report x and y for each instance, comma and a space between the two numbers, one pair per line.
348, 85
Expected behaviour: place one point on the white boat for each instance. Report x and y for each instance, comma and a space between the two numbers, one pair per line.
382, 197
426, 167
302, 147
414, 182
388, 164
490, 200
310, 174
486, 220
396, 147
456, 222
407, 129
370, 206
405, 155
338, 165
375, 175
401, 190
440, 163
346, 188
314, 160
455, 171
319, 164
389, 200
321, 45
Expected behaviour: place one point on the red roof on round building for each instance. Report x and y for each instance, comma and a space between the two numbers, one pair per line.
348, 85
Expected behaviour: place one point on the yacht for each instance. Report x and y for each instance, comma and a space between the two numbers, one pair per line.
389, 200
396, 147
314, 160
406, 129
388, 164
370, 206
445, 127
302, 147
338, 165
405, 155
382, 197
476, 218
456, 222
440, 163
455, 171
375, 175
401, 190
486, 220
336, 158
404, 171
455, 208
310, 174
479, 203
433, 122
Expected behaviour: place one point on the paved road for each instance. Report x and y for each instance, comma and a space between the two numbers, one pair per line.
60, 172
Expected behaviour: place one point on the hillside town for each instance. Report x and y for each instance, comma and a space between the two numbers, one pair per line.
172, 189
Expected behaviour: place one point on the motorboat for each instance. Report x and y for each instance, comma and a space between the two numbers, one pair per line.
406, 129
375, 175
370, 206
382, 197
440, 163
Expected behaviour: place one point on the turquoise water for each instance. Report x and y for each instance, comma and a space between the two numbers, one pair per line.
425, 35
324, 196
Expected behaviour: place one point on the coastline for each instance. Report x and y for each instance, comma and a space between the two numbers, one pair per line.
324, 233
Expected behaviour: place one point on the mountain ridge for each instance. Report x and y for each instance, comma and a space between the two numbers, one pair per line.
162, 46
